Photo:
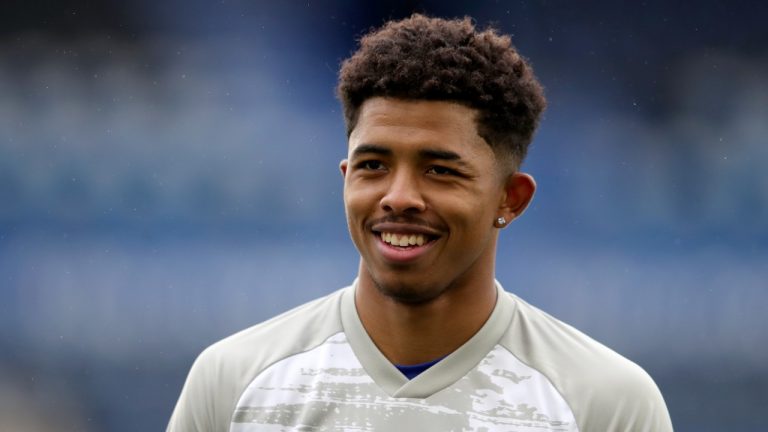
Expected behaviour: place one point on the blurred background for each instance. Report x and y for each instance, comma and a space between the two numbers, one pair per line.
169, 175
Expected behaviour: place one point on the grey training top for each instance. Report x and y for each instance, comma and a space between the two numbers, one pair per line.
315, 368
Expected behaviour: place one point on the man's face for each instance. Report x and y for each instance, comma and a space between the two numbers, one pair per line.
421, 190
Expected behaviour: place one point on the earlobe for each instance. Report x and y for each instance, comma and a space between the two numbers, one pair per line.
343, 167
500, 222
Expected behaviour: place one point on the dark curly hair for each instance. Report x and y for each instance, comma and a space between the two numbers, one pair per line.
449, 60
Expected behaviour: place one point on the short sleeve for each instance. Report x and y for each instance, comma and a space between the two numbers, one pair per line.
194, 410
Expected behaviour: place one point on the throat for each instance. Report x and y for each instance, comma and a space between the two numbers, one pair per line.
418, 333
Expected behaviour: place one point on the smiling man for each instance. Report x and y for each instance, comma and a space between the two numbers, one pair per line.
439, 117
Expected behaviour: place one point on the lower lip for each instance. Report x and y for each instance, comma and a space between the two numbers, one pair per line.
402, 255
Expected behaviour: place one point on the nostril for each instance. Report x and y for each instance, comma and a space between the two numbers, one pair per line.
401, 203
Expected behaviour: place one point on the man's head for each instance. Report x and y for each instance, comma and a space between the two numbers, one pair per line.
439, 117
423, 58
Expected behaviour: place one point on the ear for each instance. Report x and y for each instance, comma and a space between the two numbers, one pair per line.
518, 193
343, 167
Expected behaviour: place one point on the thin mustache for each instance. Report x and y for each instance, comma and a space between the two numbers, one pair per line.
404, 220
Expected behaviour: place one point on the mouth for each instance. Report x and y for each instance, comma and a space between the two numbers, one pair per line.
402, 246
405, 240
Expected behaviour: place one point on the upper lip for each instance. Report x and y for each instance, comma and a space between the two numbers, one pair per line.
405, 228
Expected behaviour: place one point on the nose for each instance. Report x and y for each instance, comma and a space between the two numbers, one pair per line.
403, 194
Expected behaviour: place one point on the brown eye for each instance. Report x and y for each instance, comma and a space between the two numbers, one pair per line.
440, 170
372, 165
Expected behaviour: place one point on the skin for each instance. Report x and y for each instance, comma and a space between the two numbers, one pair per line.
417, 166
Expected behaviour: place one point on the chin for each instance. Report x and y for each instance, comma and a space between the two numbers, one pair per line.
408, 292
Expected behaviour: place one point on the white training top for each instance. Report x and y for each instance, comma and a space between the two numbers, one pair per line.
315, 368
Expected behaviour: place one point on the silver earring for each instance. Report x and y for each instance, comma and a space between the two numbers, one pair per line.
501, 221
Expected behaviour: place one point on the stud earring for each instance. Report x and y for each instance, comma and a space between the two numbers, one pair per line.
501, 221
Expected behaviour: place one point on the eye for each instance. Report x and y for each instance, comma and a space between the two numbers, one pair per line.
371, 165
440, 170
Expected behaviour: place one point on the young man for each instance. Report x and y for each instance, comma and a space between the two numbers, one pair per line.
439, 117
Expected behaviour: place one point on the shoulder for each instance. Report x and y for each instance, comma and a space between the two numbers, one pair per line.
223, 370
284, 334
605, 390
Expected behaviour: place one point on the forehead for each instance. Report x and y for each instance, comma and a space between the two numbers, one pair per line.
388, 121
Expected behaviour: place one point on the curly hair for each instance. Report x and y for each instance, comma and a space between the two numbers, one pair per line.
449, 60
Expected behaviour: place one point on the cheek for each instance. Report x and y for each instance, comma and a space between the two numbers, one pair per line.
470, 219
467, 207
357, 202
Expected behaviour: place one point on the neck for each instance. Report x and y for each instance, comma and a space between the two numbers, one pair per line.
408, 333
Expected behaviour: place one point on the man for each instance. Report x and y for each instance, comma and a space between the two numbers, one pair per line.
439, 117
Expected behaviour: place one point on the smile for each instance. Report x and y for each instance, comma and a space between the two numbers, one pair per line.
403, 240
404, 247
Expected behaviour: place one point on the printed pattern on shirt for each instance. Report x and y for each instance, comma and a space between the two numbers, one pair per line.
327, 389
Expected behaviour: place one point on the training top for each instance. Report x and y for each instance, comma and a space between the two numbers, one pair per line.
315, 368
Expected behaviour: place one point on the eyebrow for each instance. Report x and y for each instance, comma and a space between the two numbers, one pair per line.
370, 148
425, 153
439, 154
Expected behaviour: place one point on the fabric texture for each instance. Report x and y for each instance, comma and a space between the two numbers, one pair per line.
315, 368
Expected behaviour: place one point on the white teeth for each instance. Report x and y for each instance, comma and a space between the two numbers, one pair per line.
403, 240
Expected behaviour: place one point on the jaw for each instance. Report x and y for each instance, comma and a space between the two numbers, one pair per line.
404, 286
